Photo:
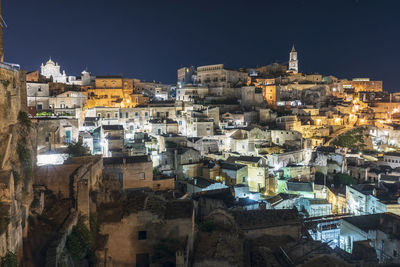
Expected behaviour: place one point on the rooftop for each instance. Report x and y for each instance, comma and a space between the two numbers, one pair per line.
255, 219
127, 160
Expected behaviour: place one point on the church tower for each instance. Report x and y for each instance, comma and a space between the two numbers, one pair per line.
293, 61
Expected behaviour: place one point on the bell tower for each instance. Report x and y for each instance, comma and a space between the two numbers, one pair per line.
293, 61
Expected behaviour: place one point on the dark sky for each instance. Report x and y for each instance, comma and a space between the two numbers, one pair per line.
150, 39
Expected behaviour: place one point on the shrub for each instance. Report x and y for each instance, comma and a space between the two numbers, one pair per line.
25, 158
9, 260
77, 149
78, 242
24, 119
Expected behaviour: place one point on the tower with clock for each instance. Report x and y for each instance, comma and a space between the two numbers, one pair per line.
293, 61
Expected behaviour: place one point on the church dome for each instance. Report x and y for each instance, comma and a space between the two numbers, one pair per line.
50, 62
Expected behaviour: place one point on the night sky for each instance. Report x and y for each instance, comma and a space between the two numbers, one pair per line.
150, 39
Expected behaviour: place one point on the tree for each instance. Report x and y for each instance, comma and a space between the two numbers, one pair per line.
353, 139
77, 149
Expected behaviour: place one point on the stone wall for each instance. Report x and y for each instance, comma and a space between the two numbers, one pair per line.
57, 246
12, 96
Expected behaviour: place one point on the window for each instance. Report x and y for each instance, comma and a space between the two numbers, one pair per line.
244, 179
180, 122
126, 115
166, 114
116, 115
158, 114
98, 115
146, 114
142, 235
136, 114
39, 106
120, 114
142, 176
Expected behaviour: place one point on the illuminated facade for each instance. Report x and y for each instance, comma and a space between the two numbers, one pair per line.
269, 90
293, 61
114, 91
361, 85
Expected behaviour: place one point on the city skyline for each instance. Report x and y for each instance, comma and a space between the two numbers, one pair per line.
136, 40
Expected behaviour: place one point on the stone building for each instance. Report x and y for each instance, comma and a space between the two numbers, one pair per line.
38, 96
137, 229
135, 172
218, 75
114, 91
361, 85
74, 179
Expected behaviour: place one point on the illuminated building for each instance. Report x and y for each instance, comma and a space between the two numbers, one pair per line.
269, 89
218, 75
114, 91
293, 61
361, 85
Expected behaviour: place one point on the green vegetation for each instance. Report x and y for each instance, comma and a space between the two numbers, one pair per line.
24, 119
77, 149
206, 226
165, 250
17, 178
353, 139
44, 114
5, 83
156, 171
9, 260
25, 158
78, 242
65, 114
81, 242
343, 179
